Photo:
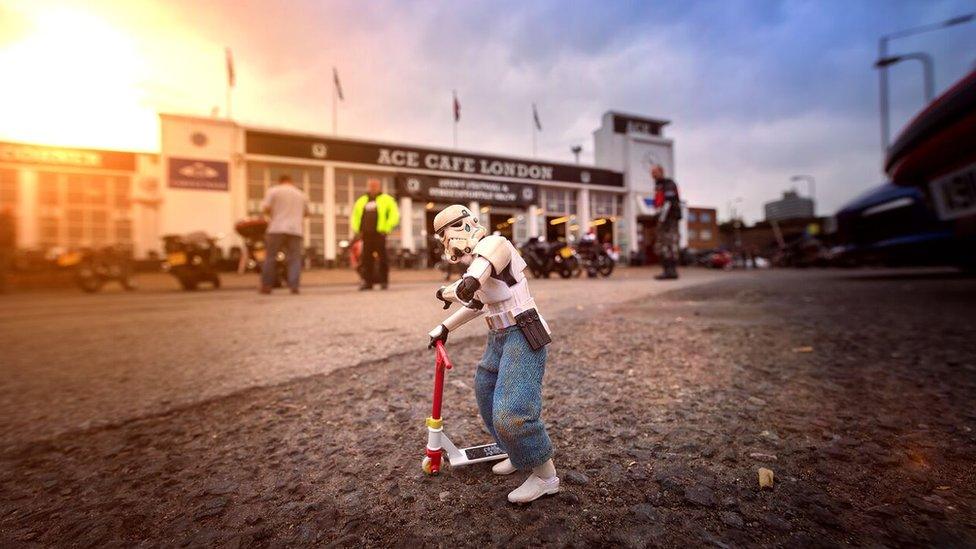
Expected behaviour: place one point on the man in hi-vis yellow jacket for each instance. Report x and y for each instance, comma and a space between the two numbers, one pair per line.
374, 216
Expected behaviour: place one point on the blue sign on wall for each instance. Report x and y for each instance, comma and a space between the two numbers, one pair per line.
206, 175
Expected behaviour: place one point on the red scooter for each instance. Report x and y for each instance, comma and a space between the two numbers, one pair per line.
438, 444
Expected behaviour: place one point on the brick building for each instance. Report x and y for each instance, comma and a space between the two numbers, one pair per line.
703, 233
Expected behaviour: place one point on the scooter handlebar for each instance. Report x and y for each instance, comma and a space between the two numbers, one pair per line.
442, 355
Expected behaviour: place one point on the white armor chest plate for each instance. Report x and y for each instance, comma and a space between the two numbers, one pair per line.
499, 297
493, 291
496, 293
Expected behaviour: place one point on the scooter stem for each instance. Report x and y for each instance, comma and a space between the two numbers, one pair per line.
442, 363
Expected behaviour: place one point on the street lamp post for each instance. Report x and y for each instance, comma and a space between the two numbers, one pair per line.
736, 225
883, 70
731, 206
813, 188
928, 68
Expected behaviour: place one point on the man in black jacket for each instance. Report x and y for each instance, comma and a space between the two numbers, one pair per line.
668, 205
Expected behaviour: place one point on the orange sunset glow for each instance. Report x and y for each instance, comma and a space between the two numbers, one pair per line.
80, 80
95, 74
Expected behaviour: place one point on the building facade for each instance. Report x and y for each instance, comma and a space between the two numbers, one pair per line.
211, 173
63, 197
702, 227
791, 206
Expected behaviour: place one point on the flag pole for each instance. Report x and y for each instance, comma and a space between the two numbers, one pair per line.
335, 109
536, 126
455, 113
533, 138
231, 79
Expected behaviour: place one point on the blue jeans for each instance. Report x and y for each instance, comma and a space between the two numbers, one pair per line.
508, 387
273, 243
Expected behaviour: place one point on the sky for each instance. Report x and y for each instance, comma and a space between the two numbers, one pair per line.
755, 91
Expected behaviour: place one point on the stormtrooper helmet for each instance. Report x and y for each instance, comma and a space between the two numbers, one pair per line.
458, 230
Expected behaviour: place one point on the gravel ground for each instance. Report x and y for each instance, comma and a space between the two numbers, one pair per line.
856, 390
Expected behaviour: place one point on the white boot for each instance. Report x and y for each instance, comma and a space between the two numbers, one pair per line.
534, 488
541, 482
504, 467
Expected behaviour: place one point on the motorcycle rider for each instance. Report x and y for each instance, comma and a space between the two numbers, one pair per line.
508, 382
668, 205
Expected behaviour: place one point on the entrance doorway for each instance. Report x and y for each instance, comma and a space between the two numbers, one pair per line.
604, 231
646, 234
557, 232
503, 224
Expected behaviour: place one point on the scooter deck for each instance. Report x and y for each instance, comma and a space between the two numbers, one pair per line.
485, 452
458, 457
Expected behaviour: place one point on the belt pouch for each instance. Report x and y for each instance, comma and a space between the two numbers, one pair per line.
533, 329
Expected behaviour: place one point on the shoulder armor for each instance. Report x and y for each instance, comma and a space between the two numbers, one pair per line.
496, 250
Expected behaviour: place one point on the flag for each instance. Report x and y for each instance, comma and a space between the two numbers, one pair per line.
230, 67
535, 118
338, 85
457, 108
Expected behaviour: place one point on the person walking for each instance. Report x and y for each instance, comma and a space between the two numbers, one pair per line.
668, 240
374, 216
286, 206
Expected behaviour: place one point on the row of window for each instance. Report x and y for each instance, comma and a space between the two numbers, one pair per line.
351, 184
704, 234
701, 217
8, 188
83, 209
78, 209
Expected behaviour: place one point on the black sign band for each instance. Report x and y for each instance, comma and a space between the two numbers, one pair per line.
55, 156
446, 190
397, 156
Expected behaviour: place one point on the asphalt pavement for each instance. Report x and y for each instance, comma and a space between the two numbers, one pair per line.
76, 361
854, 389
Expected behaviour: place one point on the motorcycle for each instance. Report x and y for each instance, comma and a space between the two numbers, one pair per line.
535, 252
252, 230
192, 258
567, 261
543, 258
596, 258
716, 259
93, 268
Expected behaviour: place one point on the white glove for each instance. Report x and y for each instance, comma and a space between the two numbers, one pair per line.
437, 334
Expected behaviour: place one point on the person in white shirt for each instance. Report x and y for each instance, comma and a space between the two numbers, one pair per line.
286, 206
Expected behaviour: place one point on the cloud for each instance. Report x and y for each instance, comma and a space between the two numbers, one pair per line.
757, 91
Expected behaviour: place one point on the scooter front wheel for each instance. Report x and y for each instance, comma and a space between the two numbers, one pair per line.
428, 466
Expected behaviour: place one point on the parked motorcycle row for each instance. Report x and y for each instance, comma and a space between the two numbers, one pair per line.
93, 268
195, 259
544, 258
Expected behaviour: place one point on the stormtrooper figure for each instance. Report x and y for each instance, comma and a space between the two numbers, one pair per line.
508, 382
